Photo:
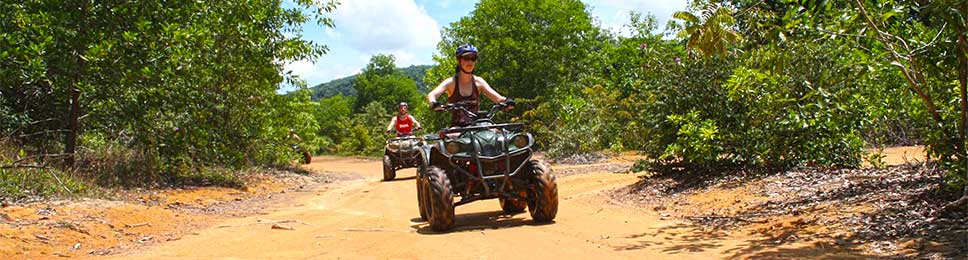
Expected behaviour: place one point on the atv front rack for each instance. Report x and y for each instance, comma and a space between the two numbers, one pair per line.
476, 159
404, 138
483, 127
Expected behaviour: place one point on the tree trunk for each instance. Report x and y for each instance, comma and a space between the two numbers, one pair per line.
70, 141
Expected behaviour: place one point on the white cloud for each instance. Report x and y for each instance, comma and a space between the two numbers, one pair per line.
332, 34
614, 14
444, 3
386, 25
405, 58
364, 28
300, 67
342, 71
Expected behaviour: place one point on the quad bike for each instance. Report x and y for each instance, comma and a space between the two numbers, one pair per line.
483, 161
399, 153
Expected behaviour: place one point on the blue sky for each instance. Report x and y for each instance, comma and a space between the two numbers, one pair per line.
410, 30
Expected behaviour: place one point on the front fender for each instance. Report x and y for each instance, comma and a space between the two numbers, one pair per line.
432, 155
424, 153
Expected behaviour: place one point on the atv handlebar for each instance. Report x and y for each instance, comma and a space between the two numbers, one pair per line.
463, 106
394, 132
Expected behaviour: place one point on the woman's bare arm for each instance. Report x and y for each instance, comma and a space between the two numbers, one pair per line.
440, 89
488, 91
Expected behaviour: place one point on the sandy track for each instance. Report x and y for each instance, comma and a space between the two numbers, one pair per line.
369, 219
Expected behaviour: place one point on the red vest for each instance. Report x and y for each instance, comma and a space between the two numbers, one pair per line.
404, 125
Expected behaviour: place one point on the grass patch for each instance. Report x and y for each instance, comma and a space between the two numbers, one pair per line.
212, 176
113, 167
101, 169
18, 183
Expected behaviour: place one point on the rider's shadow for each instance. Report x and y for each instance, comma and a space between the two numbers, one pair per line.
479, 221
409, 178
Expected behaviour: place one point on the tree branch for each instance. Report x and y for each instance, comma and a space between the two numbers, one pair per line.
29, 166
912, 76
929, 44
41, 156
43, 132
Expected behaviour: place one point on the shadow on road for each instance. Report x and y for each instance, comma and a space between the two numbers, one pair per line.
688, 238
479, 221
409, 178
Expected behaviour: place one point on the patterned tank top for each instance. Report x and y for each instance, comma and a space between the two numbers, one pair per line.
458, 117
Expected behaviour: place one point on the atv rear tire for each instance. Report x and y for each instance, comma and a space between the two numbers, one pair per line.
543, 200
512, 205
441, 200
421, 191
388, 172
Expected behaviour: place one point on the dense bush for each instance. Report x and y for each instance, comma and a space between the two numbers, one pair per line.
180, 85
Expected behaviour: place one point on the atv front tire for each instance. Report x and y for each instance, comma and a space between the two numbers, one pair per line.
543, 199
441, 200
388, 172
422, 203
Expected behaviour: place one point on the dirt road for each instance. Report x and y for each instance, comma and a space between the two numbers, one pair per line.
370, 219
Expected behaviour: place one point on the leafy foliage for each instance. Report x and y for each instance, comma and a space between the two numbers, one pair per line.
381, 82
528, 48
354, 125
923, 44
710, 32
191, 84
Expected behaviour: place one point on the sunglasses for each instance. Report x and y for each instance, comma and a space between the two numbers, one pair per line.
469, 58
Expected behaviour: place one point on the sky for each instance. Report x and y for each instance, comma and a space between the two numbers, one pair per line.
410, 30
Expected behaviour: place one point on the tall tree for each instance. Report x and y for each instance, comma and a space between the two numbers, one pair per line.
187, 81
527, 48
381, 82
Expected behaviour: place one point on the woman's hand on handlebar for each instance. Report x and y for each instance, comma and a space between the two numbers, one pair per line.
509, 104
437, 106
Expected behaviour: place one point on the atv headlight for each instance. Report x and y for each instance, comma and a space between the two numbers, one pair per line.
453, 147
394, 145
521, 141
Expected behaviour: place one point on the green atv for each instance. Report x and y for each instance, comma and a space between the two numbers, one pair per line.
483, 161
399, 153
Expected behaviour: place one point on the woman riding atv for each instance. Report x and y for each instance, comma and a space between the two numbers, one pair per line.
403, 122
464, 87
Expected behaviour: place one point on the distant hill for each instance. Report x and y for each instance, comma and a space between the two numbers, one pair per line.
345, 85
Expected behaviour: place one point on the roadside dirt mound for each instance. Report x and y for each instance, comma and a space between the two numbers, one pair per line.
875, 212
76, 228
